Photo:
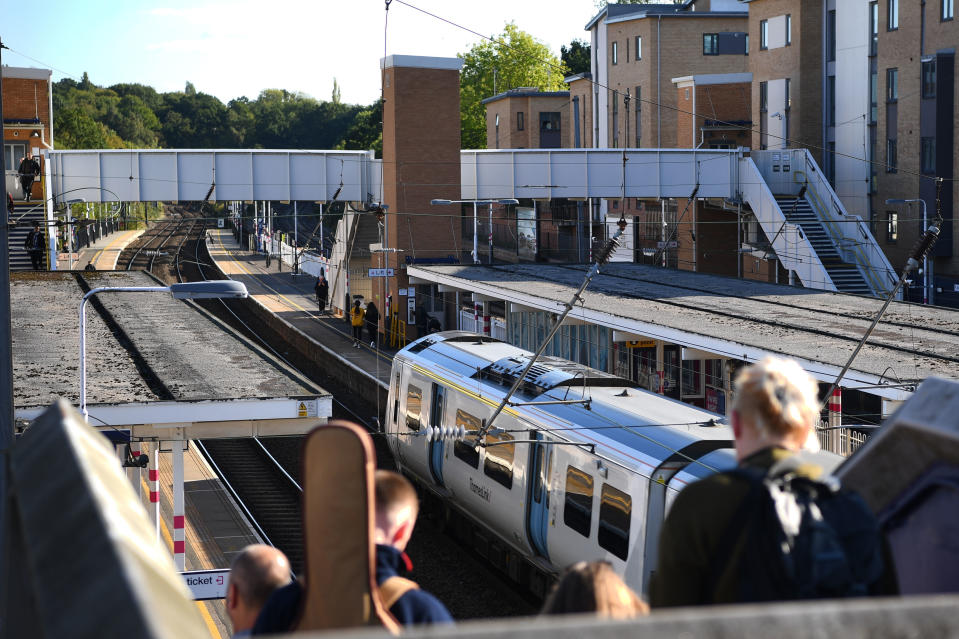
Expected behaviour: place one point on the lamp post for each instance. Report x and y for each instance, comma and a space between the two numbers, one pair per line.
476, 203
212, 289
927, 294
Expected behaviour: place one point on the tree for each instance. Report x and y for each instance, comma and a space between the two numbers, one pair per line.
576, 56
336, 92
518, 60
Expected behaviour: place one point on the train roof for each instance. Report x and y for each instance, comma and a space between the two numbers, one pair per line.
635, 425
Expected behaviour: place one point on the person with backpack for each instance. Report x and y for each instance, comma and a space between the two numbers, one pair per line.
356, 322
372, 317
773, 528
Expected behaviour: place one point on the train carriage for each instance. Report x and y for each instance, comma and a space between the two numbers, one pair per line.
580, 465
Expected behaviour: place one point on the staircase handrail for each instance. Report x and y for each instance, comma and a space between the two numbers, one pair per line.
795, 251
837, 229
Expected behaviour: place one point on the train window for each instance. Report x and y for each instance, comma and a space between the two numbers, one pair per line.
414, 407
615, 509
396, 398
578, 513
499, 458
463, 450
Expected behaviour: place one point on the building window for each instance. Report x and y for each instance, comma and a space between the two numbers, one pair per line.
578, 512
873, 97
498, 465
747, 44
710, 44
892, 227
789, 29
831, 105
615, 119
520, 124
639, 117
831, 162
615, 53
787, 106
639, 48
948, 9
891, 155
615, 511
892, 85
892, 15
763, 35
928, 155
763, 108
929, 78
874, 27
873, 160
831, 34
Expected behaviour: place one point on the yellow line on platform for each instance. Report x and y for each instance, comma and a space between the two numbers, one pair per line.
97, 255
201, 605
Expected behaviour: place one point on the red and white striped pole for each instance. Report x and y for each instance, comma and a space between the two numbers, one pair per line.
154, 487
835, 418
476, 324
179, 520
487, 328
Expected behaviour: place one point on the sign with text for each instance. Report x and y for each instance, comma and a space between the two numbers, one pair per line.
381, 272
207, 584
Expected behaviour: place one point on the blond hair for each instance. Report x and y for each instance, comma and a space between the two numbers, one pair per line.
394, 492
779, 398
594, 587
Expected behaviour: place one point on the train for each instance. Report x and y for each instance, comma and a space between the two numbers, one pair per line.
580, 464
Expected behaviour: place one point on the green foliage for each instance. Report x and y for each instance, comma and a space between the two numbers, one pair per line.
137, 116
575, 56
519, 60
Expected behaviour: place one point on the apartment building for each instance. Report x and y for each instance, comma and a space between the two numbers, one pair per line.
638, 48
526, 118
912, 123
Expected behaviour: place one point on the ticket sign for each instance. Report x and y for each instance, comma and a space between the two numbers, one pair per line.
207, 584
641, 343
381, 272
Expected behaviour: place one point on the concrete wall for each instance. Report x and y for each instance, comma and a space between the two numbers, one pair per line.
852, 105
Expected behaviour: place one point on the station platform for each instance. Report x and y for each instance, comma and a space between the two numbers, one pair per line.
102, 254
215, 529
291, 298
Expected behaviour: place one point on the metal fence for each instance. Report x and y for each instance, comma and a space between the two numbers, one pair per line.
842, 441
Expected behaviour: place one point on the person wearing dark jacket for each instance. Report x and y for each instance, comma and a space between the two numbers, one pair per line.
396, 510
34, 245
706, 545
372, 318
28, 170
322, 290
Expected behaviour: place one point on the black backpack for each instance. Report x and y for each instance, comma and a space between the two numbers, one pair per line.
804, 539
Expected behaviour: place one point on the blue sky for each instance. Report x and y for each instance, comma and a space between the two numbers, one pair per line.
240, 47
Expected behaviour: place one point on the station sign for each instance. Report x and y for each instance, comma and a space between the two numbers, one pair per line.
207, 584
671, 244
381, 272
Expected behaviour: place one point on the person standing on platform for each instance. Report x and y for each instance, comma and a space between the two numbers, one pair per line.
322, 290
29, 170
34, 245
422, 321
356, 321
772, 529
372, 323
255, 573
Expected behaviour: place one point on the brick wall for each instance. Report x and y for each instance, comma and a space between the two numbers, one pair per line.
421, 148
26, 99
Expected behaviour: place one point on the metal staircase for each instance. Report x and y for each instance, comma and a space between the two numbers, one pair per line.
26, 213
845, 276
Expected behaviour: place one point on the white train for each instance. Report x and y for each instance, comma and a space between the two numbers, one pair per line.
581, 465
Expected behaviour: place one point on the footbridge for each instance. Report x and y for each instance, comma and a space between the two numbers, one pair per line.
803, 221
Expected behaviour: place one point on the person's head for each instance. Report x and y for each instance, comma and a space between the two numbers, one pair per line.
594, 587
256, 572
36, 226
775, 405
29, 155
356, 303
396, 509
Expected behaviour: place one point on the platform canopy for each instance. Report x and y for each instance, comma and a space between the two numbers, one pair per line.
151, 175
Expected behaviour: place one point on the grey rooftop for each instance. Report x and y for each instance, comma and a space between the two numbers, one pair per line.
177, 352
739, 319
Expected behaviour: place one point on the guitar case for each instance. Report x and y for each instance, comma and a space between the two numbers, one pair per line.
338, 524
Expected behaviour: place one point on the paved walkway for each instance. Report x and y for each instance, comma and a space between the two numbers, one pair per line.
102, 254
291, 298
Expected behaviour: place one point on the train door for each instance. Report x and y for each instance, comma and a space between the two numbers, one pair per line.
537, 509
436, 445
